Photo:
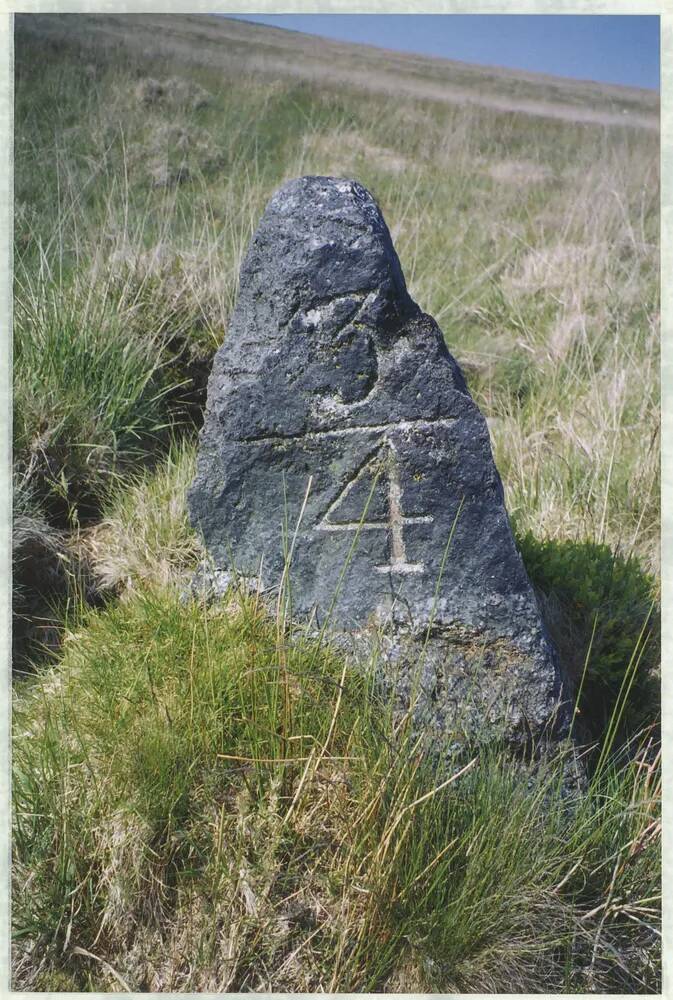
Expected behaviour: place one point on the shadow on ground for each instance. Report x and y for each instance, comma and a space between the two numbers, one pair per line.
602, 612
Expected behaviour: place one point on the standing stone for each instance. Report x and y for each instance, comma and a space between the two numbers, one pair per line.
338, 424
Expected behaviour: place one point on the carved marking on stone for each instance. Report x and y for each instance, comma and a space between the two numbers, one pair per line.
400, 425
323, 309
396, 519
327, 524
398, 556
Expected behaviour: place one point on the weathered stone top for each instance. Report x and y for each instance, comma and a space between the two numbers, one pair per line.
333, 394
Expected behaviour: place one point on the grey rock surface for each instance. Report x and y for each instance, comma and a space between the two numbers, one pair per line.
339, 426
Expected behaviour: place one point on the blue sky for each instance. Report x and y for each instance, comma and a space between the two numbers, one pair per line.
609, 48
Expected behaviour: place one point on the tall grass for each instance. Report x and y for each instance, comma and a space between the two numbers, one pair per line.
85, 394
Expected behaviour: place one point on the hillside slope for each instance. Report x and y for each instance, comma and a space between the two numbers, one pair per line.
238, 45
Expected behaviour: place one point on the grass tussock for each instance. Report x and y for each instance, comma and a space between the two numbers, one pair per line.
87, 396
202, 803
144, 536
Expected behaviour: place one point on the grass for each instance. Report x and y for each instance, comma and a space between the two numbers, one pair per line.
317, 851
200, 807
87, 396
144, 536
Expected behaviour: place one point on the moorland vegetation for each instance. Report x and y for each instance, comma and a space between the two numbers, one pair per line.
204, 798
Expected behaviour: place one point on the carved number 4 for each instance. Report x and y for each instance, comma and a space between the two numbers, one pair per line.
396, 519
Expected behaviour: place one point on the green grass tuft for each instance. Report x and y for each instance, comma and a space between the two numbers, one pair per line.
87, 397
203, 803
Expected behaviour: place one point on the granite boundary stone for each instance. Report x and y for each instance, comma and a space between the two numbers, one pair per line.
339, 426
